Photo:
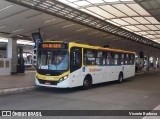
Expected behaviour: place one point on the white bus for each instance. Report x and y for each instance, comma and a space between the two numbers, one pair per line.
67, 65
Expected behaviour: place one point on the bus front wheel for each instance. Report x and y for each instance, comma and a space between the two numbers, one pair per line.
87, 83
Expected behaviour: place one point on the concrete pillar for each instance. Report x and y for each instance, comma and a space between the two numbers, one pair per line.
140, 61
140, 64
154, 62
21, 55
148, 62
158, 64
12, 53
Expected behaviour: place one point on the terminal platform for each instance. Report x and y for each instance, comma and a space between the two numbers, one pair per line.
17, 83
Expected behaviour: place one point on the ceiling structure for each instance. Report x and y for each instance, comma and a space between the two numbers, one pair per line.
71, 10
126, 14
20, 18
19, 22
152, 6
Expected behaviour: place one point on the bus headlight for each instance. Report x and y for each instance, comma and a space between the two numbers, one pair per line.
63, 78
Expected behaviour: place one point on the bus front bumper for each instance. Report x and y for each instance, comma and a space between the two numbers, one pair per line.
44, 83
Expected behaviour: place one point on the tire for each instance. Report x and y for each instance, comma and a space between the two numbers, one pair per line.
120, 78
87, 83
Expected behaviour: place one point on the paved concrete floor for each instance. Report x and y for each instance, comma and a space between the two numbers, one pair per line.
141, 92
18, 80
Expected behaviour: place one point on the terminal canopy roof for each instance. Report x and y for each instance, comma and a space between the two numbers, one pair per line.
122, 24
126, 14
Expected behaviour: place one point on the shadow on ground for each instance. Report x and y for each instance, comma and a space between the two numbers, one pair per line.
78, 89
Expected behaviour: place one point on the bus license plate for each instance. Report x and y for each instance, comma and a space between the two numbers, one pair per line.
47, 83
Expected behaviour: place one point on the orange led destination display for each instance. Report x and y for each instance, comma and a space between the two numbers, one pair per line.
51, 45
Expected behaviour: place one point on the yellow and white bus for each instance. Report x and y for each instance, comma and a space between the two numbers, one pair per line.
67, 65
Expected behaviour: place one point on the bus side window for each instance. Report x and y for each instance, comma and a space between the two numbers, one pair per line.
129, 59
122, 59
89, 57
108, 58
112, 58
116, 59
132, 58
99, 57
119, 59
126, 59
104, 58
75, 58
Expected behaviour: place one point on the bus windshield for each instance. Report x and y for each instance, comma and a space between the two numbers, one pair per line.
56, 59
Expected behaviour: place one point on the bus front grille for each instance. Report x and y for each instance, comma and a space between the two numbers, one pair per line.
46, 81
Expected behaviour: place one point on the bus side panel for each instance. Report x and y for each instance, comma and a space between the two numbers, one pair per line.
76, 78
129, 71
113, 72
97, 73
100, 74
103, 73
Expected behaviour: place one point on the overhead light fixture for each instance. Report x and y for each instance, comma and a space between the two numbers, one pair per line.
22, 42
20, 36
25, 42
36, 0
2, 26
82, 29
17, 30
42, 5
6, 8
155, 40
68, 25
3, 39
50, 2
49, 21
93, 33
47, 4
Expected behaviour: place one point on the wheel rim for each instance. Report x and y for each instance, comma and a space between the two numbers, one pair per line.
86, 83
120, 78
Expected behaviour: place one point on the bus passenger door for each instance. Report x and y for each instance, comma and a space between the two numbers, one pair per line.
76, 61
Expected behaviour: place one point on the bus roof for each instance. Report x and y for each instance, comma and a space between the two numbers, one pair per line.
92, 47
100, 48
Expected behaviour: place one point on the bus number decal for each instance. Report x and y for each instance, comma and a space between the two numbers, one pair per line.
94, 70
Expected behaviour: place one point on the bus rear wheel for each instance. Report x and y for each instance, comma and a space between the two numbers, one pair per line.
120, 78
87, 83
